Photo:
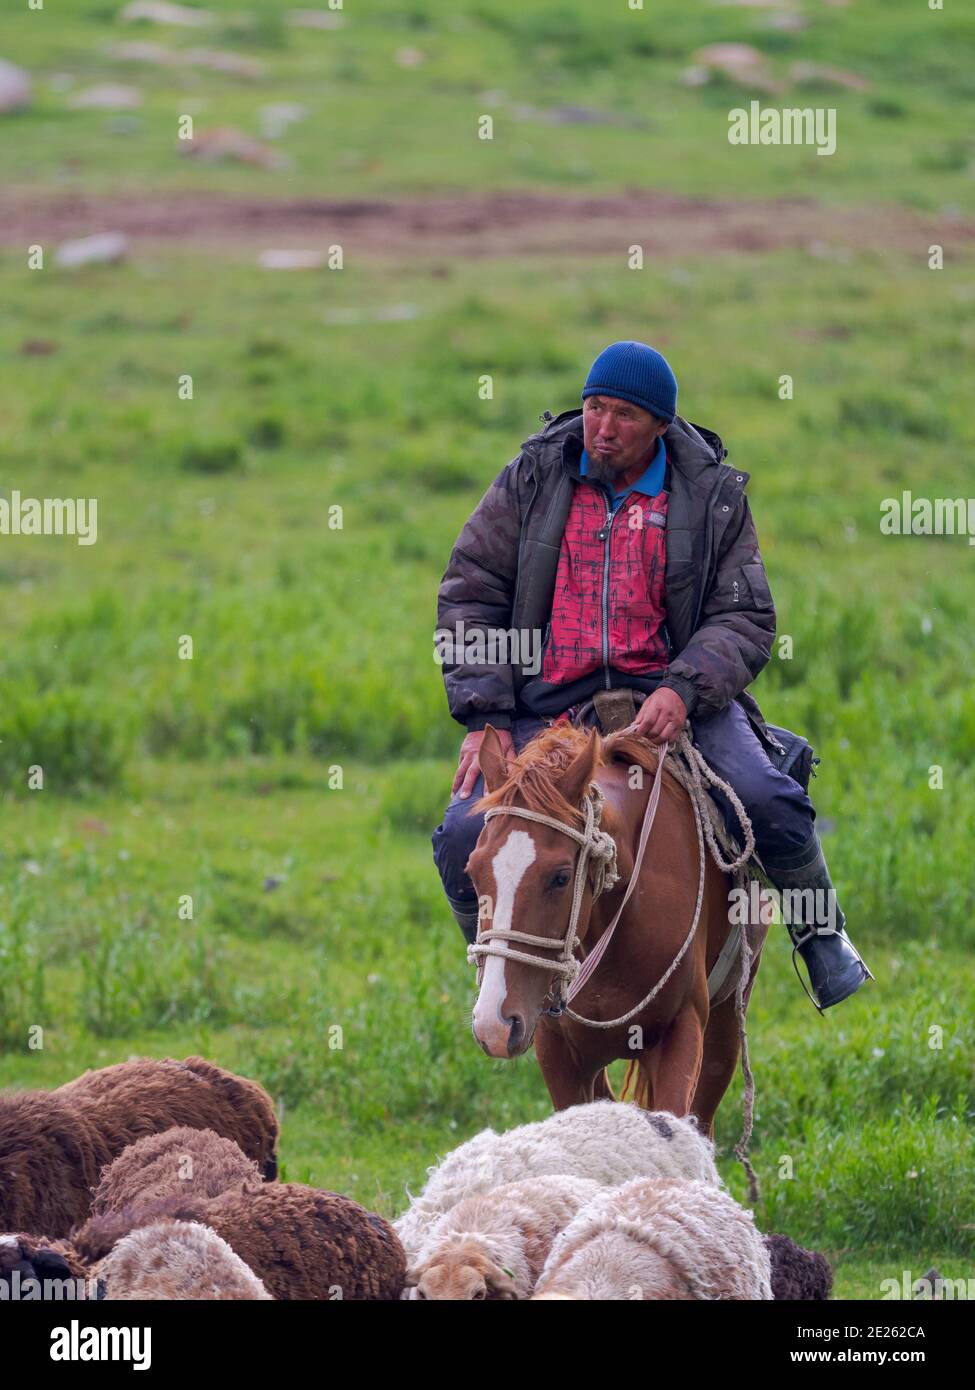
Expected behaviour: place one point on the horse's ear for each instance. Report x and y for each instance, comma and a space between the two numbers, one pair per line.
579, 773
491, 759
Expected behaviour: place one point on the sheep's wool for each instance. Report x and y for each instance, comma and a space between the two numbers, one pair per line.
608, 1141
181, 1260
710, 1243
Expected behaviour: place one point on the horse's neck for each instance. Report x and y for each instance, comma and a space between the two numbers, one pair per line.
623, 817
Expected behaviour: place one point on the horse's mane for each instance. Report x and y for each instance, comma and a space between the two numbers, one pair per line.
534, 776
631, 749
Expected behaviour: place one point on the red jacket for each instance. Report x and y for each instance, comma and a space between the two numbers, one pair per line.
608, 606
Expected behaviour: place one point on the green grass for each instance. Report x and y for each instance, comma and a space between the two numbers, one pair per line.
875, 1122
313, 651
375, 127
287, 777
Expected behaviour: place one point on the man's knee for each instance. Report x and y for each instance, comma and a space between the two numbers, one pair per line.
781, 813
453, 841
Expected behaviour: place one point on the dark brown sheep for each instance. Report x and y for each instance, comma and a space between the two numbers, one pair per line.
54, 1144
797, 1273
182, 1162
302, 1243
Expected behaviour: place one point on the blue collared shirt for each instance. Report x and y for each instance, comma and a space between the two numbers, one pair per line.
651, 481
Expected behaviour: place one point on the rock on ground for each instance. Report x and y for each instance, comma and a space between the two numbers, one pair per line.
105, 248
107, 96
739, 62
160, 12
15, 87
227, 142
314, 19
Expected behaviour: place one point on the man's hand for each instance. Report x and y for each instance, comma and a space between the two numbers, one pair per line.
661, 716
467, 768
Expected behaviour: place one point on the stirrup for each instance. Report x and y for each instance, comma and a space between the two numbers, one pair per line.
807, 937
809, 995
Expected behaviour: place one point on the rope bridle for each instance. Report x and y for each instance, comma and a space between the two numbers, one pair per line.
596, 846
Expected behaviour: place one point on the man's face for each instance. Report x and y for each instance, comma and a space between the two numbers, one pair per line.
618, 436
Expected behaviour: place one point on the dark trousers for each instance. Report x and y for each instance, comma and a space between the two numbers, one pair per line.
781, 813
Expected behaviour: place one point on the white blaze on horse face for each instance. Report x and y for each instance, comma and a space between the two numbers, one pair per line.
509, 867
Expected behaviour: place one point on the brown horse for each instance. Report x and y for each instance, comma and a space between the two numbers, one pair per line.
683, 1046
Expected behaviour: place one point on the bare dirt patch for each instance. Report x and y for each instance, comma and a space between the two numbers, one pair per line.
498, 224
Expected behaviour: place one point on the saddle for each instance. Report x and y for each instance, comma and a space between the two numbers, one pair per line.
789, 752
613, 710
610, 709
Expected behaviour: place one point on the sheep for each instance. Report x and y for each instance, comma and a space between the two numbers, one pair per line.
32, 1267
177, 1260
493, 1246
659, 1238
167, 1260
797, 1273
187, 1162
303, 1243
606, 1140
53, 1144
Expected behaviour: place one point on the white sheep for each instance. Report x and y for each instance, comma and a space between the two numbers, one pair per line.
606, 1140
493, 1246
181, 1260
659, 1238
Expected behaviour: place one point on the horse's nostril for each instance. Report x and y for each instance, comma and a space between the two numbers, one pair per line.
516, 1033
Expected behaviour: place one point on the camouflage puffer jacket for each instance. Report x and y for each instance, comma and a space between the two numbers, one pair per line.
501, 575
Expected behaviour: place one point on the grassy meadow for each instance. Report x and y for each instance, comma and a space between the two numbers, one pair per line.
288, 776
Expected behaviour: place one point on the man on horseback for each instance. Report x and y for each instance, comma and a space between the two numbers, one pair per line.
621, 538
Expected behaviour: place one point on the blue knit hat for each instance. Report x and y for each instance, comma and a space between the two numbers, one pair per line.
634, 372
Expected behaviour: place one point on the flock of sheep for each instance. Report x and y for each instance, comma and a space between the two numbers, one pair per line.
158, 1180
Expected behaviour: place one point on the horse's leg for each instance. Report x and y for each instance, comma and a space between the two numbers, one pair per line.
642, 1083
722, 1043
674, 1065
718, 1063
568, 1081
601, 1089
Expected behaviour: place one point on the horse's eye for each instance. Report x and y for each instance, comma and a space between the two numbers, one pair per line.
560, 879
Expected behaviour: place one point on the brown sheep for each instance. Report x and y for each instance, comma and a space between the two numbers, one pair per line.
797, 1273
178, 1162
302, 1242
179, 1260
54, 1144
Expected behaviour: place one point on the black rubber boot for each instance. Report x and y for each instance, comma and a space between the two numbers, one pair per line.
815, 923
835, 968
465, 915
